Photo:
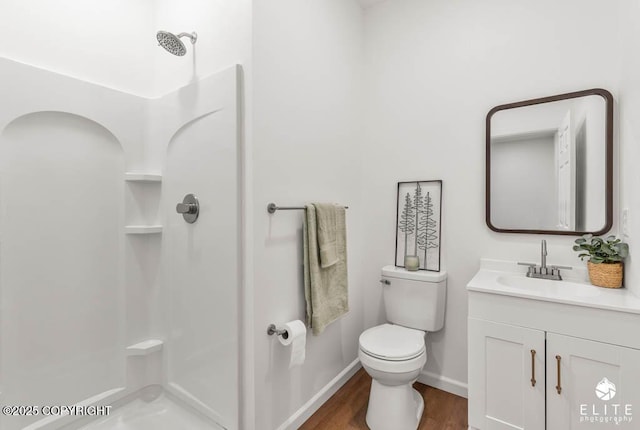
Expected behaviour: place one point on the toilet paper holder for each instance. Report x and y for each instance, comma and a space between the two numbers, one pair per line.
272, 329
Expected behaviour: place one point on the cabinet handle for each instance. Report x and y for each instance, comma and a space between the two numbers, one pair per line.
533, 367
559, 386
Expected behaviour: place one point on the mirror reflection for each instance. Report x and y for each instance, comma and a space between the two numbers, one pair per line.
547, 164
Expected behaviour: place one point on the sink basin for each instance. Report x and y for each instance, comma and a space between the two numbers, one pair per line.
548, 287
506, 278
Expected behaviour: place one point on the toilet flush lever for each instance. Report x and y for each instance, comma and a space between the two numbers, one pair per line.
385, 281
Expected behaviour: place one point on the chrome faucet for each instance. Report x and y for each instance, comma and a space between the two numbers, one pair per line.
543, 271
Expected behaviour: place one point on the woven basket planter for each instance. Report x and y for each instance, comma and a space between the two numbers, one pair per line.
608, 275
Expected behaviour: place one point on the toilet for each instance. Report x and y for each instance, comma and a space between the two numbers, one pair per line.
394, 353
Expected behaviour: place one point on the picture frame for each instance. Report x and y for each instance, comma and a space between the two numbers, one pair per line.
418, 226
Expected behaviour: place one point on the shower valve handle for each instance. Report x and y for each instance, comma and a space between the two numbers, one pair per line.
189, 208
186, 208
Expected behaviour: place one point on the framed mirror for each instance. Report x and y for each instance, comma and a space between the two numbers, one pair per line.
549, 165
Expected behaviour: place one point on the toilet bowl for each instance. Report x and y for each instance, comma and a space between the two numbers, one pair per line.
393, 354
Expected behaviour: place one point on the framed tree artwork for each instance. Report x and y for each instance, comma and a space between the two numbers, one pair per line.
418, 225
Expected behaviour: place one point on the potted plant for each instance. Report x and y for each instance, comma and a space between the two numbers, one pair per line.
605, 259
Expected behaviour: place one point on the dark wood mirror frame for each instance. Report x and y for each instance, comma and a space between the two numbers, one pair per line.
608, 162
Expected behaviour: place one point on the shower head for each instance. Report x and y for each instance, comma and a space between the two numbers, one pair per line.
173, 44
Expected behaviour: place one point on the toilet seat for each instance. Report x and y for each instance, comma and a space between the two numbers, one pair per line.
389, 367
392, 342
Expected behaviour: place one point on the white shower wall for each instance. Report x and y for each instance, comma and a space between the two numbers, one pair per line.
75, 289
62, 275
61, 271
201, 261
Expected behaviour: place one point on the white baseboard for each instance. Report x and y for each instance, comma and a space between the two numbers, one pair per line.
309, 408
443, 383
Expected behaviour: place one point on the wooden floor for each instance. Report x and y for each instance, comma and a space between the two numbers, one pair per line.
347, 408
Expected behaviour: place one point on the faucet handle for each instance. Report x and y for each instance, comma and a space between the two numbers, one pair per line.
527, 264
532, 268
555, 271
561, 267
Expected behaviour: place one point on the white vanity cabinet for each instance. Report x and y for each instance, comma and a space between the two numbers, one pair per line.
577, 388
506, 379
540, 360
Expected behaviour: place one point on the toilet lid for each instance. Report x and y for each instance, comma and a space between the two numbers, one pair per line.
392, 342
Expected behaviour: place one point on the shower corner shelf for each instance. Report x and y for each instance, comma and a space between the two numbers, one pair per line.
143, 229
145, 347
142, 177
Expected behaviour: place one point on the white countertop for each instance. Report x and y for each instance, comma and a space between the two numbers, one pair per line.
509, 279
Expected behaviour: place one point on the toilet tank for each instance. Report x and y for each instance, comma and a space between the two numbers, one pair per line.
414, 299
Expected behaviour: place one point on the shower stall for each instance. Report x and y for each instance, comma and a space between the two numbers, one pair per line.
119, 298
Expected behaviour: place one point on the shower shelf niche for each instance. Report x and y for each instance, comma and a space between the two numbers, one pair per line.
143, 229
142, 177
145, 347
143, 202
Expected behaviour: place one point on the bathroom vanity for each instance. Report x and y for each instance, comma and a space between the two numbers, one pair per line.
555, 355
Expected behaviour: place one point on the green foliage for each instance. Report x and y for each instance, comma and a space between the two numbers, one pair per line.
599, 250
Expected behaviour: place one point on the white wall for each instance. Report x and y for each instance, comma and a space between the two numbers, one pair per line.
114, 43
434, 70
104, 42
224, 39
629, 112
523, 183
307, 127
530, 119
593, 111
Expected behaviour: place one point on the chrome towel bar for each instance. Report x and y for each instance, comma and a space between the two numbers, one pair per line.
272, 208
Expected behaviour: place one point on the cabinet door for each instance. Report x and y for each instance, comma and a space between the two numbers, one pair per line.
591, 384
506, 377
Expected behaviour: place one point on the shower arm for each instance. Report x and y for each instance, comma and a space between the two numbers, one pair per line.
192, 36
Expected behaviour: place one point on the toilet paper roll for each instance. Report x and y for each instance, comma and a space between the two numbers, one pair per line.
296, 336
